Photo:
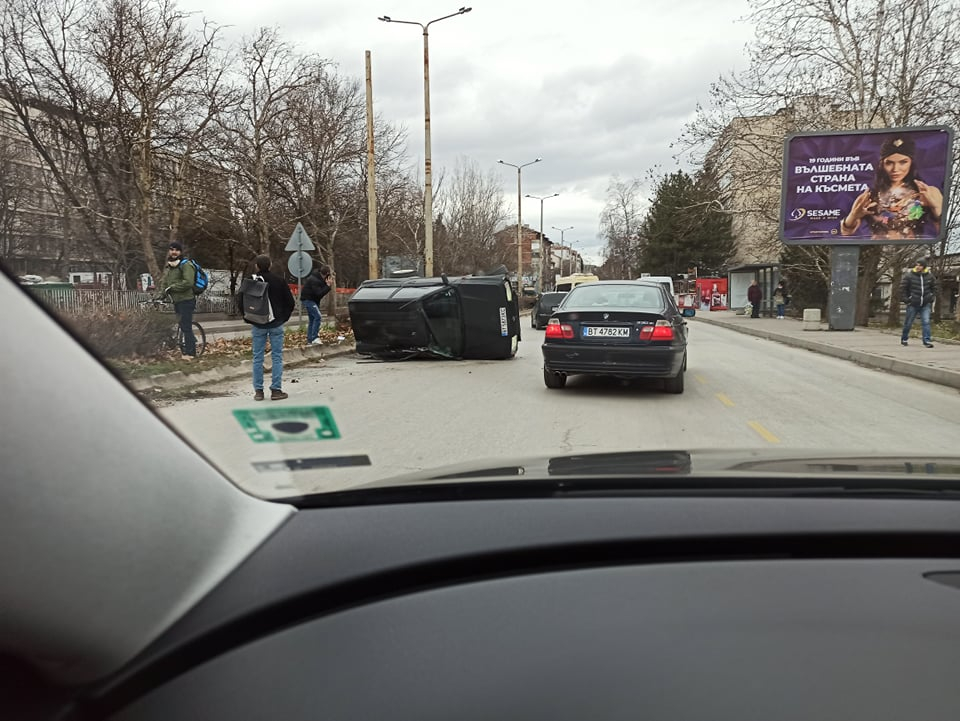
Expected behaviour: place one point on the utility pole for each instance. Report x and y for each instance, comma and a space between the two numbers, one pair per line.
373, 257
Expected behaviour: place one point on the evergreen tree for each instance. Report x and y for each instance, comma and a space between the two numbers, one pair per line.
686, 226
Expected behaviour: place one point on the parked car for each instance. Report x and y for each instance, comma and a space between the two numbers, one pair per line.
543, 309
625, 329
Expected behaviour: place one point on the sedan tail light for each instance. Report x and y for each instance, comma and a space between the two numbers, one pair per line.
663, 330
556, 329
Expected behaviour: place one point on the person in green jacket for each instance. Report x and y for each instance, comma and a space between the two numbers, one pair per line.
177, 283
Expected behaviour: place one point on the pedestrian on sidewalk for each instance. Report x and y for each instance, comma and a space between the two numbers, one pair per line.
177, 283
780, 299
315, 287
755, 295
918, 289
282, 305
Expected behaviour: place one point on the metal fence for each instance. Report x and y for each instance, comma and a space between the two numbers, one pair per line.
77, 301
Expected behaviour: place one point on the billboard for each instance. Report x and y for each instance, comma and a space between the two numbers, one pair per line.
867, 186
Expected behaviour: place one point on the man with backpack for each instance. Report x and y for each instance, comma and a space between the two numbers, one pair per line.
178, 282
267, 304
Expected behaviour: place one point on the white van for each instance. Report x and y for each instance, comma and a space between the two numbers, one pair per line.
665, 280
565, 283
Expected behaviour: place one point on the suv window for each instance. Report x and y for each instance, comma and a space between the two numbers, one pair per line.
548, 299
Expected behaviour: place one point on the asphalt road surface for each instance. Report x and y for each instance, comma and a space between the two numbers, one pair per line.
741, 392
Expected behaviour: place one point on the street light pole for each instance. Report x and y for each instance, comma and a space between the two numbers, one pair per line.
427, 162
540, 265
563, 247
519, 224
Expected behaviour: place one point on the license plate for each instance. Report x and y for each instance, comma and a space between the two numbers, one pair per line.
605, 332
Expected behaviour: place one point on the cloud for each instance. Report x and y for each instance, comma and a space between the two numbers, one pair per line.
595, 89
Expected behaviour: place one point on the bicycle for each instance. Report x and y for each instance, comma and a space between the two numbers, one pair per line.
175, 338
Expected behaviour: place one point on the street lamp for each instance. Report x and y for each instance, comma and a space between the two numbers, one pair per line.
563, 247
519, 224
427, 165
540, 265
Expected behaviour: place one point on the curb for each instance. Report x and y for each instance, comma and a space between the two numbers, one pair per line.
292, 357
941, 376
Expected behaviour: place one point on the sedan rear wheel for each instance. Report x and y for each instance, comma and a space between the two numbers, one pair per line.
675, 384
554, 380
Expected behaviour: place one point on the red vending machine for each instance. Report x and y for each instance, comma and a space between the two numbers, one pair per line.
712, 293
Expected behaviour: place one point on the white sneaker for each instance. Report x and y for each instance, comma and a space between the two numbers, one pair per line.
316, 341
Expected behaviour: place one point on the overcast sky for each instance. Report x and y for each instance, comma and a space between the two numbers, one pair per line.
596, 89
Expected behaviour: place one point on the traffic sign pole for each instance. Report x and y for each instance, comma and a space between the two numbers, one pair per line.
300, 263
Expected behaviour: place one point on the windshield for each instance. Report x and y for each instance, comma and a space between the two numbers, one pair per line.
623, 296
320, 286
551, 298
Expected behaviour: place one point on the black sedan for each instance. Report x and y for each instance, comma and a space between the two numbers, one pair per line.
624, 329
544, 307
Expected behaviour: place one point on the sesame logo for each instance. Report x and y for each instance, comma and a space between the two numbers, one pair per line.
798, 214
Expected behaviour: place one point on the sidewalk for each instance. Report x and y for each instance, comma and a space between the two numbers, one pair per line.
870, 347
292, 358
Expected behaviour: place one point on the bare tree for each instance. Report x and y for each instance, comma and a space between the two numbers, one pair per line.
271, 73
14, 187
620, 225
152, 63
319, 175
872, 64
56, 93
471, 209
400, 214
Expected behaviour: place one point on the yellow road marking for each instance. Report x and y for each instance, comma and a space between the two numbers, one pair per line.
726, 401
700, 378
763, 432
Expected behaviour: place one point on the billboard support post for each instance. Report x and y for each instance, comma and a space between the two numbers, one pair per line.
844, 262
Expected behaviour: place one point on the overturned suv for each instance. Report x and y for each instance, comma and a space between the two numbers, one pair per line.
474, 316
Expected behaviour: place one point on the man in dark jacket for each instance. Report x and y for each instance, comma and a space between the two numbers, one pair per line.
315, 287
755, 295
918, 289
282, 303
177, 282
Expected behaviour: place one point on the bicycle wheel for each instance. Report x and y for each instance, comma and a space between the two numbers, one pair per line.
198, 334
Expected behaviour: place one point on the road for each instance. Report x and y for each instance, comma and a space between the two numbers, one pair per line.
741, 392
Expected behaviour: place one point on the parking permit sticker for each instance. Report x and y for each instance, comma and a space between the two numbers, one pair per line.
286, 424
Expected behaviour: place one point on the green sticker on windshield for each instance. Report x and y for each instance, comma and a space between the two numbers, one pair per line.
286, 424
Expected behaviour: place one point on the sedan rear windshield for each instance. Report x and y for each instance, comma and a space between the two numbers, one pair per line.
549, 298
647, 297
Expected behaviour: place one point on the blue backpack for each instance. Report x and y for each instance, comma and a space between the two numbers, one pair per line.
201, 279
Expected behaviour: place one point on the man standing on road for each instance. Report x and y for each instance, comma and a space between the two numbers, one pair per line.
755, 295
315, 287
282, 303
918, 289
178, 280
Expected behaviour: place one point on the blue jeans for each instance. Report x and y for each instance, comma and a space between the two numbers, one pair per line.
313, 320
260, 336
184, 309
780, 309
912, 312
